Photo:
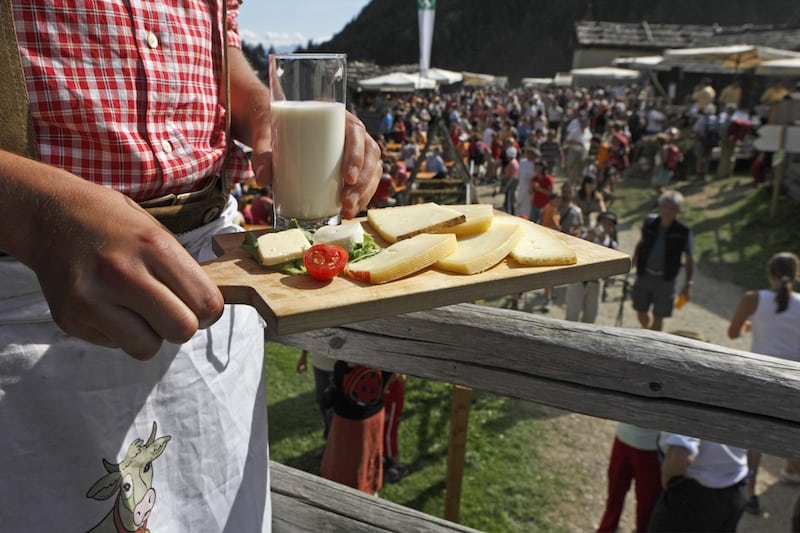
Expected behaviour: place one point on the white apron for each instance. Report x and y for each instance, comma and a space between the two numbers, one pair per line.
67, 406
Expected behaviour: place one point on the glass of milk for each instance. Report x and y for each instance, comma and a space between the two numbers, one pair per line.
308, 121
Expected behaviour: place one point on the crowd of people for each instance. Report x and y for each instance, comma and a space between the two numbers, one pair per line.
557, 156
618, 130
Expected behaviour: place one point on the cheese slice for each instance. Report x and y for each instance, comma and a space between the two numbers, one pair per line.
398, 223
345, 235
476, 253
281, 246
402, 258
540, 246
479, 219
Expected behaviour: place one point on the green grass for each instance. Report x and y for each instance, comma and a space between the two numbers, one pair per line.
507, 487
734, 233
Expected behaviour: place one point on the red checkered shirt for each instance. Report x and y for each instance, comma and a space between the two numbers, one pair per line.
126, 94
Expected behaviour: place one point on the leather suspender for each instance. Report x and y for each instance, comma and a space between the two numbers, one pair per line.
16, 125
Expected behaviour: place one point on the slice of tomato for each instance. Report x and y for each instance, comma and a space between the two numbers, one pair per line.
325, 261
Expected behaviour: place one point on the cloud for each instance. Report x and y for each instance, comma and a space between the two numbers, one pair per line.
282, 42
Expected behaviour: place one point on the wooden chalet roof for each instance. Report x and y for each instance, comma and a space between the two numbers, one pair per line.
644, 35
772, 36
641, 35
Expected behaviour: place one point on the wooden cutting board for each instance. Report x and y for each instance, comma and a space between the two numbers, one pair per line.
293, 304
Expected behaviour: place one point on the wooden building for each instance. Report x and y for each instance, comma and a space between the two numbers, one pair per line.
599, 43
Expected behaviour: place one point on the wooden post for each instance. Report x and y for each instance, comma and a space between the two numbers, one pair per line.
777, 172
456, 450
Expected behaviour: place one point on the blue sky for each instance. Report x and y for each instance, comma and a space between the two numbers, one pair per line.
288, 23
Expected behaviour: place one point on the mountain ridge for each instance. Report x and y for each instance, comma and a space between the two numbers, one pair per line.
519, 38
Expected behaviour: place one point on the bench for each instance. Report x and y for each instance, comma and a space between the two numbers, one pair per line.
423, 175
305, 502
434, 192
457, 182
436, 195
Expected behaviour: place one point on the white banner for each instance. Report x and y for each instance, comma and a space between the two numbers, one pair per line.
426, 11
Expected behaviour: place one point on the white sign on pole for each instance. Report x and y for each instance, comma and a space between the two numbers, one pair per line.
769, 137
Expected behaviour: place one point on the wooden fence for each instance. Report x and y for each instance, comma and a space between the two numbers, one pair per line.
643, 377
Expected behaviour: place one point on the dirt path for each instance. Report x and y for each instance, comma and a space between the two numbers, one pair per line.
583, 443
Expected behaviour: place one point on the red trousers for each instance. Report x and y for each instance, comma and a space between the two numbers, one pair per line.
626, 464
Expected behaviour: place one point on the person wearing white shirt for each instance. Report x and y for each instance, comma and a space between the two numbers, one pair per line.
434, 163
655, 119
488, 135
524, 177
576, 145
704, 485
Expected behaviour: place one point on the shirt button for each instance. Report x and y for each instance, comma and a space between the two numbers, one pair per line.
152, 40
166, 146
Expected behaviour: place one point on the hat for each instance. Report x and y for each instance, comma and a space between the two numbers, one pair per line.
511, 152
607, 215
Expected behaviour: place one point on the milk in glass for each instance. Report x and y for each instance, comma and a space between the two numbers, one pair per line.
308, 140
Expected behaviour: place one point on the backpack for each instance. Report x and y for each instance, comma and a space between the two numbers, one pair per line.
739, 128
673, 158
711, 133
477, 152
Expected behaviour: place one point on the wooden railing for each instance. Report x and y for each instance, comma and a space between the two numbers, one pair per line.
638, 376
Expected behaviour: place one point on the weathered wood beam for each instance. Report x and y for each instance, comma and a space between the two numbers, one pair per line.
305, 502
648, 378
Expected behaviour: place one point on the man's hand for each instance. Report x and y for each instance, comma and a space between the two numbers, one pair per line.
676, 461
112, 275
361, 167
302, 363
250, 114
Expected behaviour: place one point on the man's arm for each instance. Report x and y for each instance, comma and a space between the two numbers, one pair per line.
689, 266
739, 322
635, 255
676, 462
680, 452
250, 110
112, 275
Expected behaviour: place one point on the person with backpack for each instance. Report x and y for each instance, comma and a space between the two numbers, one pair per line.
478, 154
735, 126
353, 453
667, 159
707, 136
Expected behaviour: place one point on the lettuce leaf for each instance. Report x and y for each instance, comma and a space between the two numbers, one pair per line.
360, 251
250, 245
364, 249
295, 267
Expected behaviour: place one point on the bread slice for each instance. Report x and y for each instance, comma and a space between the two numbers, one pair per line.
541, 246
402, 258
479, 219
398, 223
479, 252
